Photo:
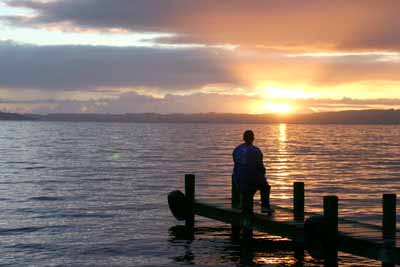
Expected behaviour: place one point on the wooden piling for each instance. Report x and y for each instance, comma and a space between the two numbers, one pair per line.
331, 210
367, 241
235, 202
298, 215
389, 216
298, 201
190, 193
247, 216
389, 229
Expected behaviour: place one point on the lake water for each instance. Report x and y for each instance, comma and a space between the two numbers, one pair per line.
94, 194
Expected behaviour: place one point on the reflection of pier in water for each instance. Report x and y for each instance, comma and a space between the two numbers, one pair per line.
360, 239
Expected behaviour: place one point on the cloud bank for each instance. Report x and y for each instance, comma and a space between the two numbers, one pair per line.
91, 67
334, 51
303, 24
196, 103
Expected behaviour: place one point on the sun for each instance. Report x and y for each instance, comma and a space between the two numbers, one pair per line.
278, 107
275, 107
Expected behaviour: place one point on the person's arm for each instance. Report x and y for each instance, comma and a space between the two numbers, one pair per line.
260, 164
234, 156
235, 177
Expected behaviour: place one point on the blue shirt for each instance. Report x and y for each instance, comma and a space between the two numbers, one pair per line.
248, 170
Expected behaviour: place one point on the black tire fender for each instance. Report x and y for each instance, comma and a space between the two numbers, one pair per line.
179, 205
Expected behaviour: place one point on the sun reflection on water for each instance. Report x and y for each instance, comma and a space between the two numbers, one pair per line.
283, 183
282, 134
289, 261
282, 148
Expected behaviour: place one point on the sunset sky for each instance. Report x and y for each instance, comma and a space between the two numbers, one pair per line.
190, 56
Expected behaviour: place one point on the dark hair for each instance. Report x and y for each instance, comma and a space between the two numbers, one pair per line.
248, 136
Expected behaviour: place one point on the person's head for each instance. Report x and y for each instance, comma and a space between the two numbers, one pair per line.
248, 137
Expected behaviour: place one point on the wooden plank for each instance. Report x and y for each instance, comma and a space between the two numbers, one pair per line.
261, 222
360, 246
355, 230
218, 213
350, 228
285, 216
288, 229
353, 238
368, 249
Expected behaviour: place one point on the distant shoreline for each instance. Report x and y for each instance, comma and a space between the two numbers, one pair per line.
378, 117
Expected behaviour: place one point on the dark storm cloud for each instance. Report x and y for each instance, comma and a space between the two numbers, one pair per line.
90, 67
306, 24
140, 15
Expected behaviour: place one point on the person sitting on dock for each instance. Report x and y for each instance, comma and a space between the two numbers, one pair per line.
249, 171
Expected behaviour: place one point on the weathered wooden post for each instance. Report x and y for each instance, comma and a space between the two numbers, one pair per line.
189, 193
389, 216
235, 202
389, 229
298, 215
247, 216
298, 201
331, 211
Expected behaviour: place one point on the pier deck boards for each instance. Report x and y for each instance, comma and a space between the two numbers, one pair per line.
359, 239
335, 233
282, 214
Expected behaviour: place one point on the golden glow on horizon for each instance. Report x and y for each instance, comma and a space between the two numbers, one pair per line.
273, 92
274, 107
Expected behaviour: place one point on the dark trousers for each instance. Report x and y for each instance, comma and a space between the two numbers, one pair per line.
265, 191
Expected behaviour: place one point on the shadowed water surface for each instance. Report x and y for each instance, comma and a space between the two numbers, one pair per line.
84, 194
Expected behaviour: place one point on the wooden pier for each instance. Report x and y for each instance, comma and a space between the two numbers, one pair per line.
360, 239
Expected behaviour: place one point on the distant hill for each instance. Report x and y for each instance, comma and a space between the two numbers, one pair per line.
389, 116
13, 117
162, 118
343, 117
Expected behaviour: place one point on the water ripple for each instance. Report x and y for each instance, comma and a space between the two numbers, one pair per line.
94, 194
